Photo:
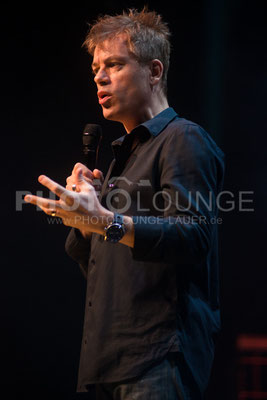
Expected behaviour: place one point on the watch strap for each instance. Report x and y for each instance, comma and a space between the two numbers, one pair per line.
118, 219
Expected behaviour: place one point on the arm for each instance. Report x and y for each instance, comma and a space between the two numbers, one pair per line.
78, 241
78, 248
190, 164
191, 173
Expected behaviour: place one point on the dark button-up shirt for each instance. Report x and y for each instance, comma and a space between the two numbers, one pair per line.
162, 295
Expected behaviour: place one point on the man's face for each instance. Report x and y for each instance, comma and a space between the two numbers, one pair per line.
122, 83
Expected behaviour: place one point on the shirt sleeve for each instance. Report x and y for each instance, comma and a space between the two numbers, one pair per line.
78, 248
191, 172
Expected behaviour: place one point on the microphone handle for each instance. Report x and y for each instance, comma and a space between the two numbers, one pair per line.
92, 135
90, 157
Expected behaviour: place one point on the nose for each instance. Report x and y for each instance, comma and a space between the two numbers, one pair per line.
101, 77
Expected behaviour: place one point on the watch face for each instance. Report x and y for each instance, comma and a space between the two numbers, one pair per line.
114, 233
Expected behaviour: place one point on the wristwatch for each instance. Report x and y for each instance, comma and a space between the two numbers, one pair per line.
115, 231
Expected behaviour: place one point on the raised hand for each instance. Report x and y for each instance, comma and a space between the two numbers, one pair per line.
94, 177
81, 208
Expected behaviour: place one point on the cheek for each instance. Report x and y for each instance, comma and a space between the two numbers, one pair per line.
136, 88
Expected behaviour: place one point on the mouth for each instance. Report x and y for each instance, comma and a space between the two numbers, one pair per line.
103, 97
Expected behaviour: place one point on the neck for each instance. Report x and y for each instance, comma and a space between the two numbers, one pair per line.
146, 113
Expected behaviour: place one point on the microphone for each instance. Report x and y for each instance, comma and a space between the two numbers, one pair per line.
92, 135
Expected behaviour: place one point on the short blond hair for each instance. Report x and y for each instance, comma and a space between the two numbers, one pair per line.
148, 36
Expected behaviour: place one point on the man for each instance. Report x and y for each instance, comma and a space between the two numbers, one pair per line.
148, 246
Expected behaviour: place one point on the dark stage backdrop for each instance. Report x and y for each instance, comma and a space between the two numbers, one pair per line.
216, 79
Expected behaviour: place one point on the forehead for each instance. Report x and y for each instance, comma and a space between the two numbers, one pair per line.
117, 46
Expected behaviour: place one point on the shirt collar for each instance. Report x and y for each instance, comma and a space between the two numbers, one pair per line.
160, 121
154, 125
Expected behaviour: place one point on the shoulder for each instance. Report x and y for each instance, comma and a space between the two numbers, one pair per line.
182, 132
184, 127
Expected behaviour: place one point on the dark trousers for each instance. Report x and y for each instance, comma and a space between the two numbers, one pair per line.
168, 380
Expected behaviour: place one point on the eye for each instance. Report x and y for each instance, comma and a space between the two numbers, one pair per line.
114, 64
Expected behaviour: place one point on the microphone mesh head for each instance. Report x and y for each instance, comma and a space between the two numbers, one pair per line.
92, 134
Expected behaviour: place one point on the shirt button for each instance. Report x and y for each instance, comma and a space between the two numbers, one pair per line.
90, 304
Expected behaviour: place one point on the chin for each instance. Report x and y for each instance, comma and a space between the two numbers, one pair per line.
111, 115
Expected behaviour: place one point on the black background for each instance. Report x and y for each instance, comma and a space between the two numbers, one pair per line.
216, 79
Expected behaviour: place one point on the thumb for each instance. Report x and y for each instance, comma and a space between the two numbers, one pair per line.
98, 175
79, 177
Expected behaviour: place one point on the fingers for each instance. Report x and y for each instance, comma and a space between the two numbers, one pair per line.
98, 175
86, 171
52, 208
46, 205
68, 200
57, 207
88, 175
82, 183
60, 191
79, 178
80, 174
52, 185
71, 182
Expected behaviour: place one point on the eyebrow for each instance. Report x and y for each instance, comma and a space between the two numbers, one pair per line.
108, 59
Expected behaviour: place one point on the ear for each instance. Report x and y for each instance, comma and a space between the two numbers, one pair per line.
156, 71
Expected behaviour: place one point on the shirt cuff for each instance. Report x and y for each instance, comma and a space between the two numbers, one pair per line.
148, 233
77, 247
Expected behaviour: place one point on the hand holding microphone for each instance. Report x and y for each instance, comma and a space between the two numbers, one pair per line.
92, 135
78, 202
94, 177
